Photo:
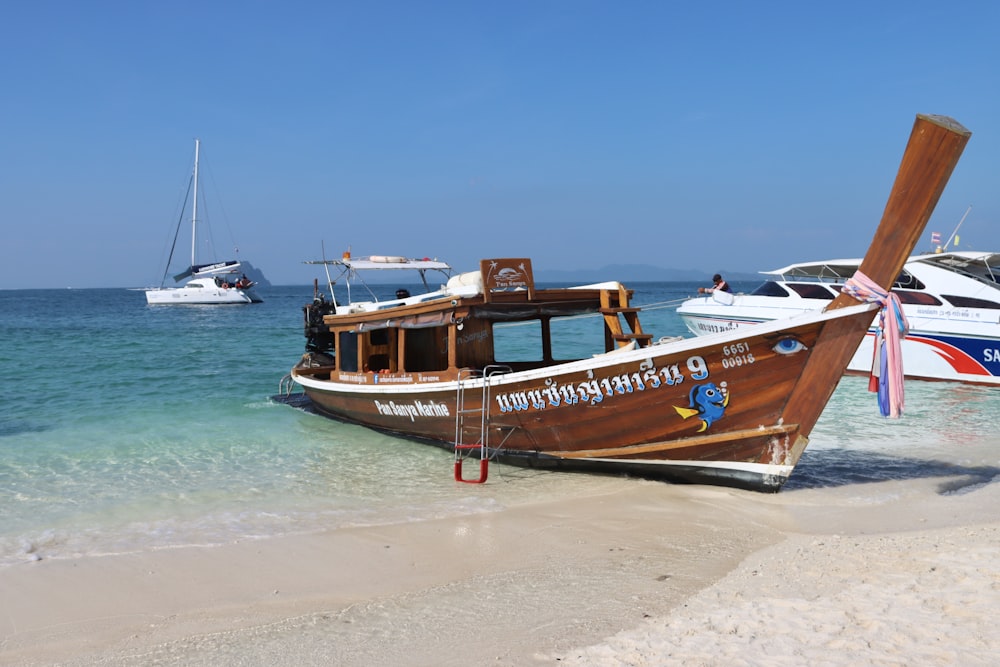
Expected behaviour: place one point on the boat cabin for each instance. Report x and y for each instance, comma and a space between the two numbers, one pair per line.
431, 337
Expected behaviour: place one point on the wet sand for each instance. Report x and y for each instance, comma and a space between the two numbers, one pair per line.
891, 573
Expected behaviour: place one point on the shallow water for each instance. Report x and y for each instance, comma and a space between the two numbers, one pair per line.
126, 427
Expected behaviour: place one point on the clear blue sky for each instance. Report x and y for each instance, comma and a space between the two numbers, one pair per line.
716, 136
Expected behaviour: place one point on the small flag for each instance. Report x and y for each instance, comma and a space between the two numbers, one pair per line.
956, 240
936, 238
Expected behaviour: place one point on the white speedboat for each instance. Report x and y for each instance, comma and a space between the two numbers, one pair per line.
215, 283
951, 300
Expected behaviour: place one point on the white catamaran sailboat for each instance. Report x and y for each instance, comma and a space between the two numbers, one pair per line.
215, 283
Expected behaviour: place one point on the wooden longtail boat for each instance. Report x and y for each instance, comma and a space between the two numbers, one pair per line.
733, 409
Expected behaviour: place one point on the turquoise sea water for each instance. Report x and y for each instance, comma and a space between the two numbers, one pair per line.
128, 427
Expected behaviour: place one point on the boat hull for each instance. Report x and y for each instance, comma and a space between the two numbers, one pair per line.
709, 410
200, 296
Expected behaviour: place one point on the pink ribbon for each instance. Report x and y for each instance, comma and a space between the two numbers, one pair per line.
887, 362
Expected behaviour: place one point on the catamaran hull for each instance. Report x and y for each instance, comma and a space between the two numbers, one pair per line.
215, 296
701, 410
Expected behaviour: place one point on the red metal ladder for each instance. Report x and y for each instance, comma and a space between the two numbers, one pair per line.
465, 449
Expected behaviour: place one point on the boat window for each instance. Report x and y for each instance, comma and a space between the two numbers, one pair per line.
907, 280
378, 362
917, 298
812, 291
378, 350
348, 344
517, 341
770, 288
971, 302
571, 337
576, 337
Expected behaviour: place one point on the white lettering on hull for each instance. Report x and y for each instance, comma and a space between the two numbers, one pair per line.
412, 410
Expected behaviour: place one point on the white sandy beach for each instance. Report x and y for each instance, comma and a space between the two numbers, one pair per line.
896, 573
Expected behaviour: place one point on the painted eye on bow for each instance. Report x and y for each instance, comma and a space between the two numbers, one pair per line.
788, 346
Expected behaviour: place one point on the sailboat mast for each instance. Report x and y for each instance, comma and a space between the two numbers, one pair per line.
194, 207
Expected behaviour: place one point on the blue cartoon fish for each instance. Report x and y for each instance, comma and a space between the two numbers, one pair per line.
708, 402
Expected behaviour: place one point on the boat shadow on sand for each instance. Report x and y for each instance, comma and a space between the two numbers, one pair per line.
841, 467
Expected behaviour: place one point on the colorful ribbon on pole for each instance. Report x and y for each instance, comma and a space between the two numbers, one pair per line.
887, 363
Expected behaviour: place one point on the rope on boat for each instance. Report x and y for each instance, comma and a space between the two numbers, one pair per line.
663, 304
887, 363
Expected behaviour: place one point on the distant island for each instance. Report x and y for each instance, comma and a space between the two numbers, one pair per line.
254, 274
638, 272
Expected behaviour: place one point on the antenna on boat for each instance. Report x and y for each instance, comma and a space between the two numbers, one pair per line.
326, 267
954, 234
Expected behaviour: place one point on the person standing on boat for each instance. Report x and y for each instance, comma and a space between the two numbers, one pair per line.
718, 285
